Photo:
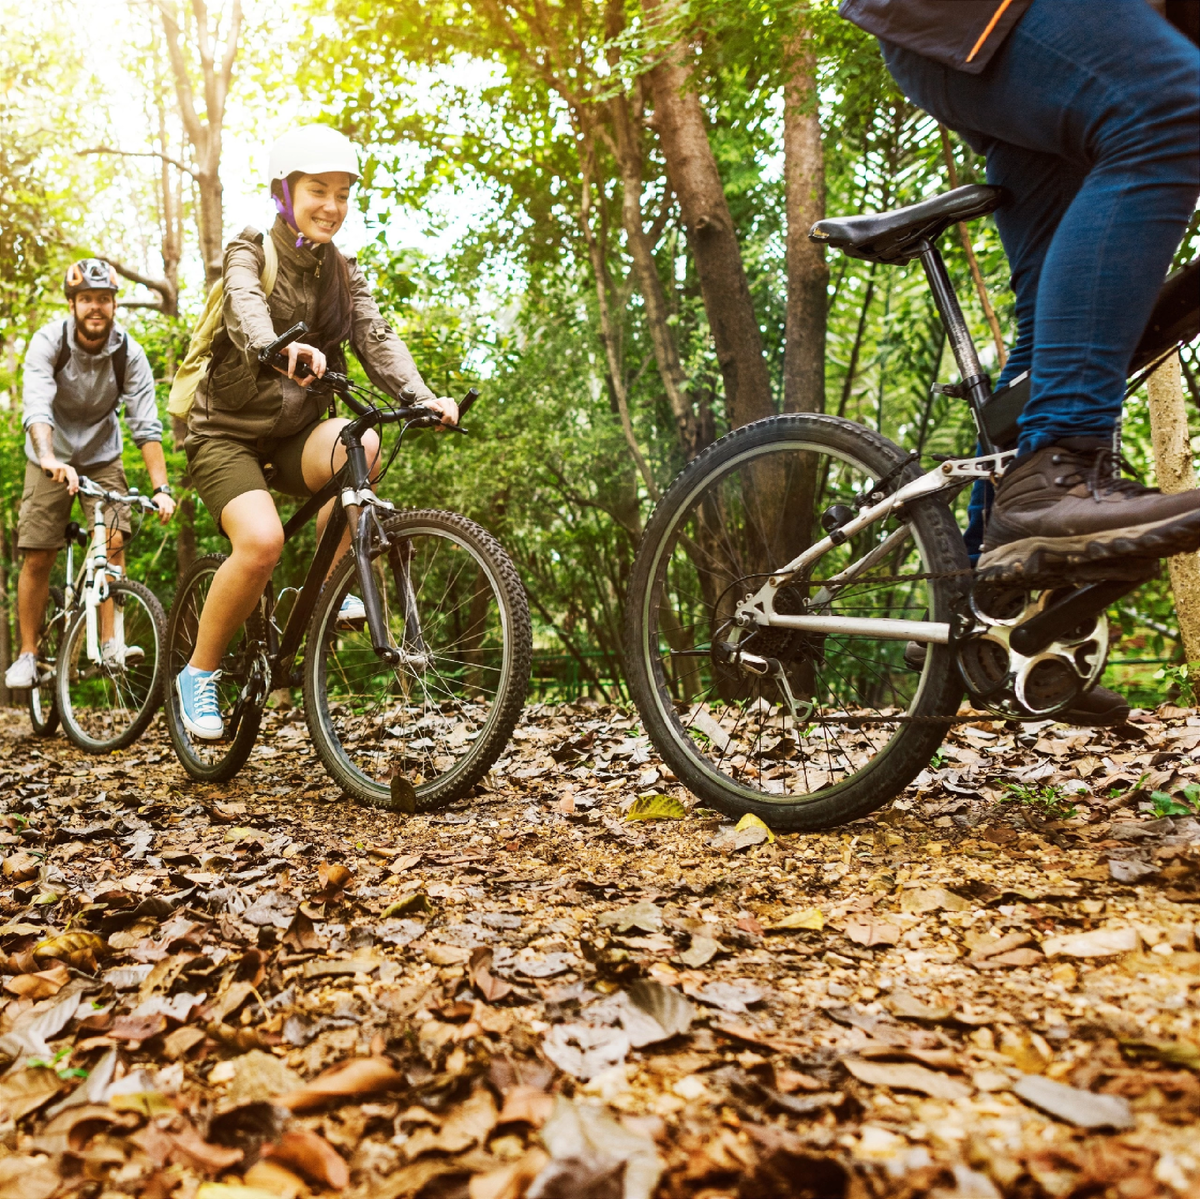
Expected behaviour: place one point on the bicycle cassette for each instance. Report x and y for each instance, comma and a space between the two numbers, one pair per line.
1018, 687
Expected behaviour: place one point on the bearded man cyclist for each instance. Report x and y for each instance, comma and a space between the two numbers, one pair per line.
77, 374
1089, 117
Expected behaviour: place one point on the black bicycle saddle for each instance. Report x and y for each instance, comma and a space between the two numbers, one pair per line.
895, 237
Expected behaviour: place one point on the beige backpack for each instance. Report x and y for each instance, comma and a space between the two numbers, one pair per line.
199, 354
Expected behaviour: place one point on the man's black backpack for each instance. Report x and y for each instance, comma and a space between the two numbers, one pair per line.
120, 356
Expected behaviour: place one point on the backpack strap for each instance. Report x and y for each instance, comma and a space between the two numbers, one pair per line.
120, 360
64, 351
270, 271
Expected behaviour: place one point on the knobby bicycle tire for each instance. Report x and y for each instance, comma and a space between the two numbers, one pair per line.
66, 682
223, 763
938, 692
43, 706
514, 672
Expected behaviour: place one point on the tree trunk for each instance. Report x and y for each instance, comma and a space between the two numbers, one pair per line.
654, 299
807, 272
696, 181
1173, 465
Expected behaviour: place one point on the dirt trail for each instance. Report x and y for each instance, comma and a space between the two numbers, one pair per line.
978, 992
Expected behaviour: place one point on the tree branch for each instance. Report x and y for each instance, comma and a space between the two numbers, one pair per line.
182, 166
183, 85
162, 286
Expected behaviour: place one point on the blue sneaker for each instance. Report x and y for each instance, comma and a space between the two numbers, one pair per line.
197, 693
352, 613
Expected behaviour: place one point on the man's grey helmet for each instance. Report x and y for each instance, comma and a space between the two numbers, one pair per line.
89, 274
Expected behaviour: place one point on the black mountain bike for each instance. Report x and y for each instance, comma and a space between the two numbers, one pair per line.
803, 618
409, 709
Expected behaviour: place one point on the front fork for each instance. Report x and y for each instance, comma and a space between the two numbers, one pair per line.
95, 591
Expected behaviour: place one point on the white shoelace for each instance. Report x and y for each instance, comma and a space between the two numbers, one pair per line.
204, 695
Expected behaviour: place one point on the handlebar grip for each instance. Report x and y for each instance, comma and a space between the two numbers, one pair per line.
285, 339
302, 371
467, 401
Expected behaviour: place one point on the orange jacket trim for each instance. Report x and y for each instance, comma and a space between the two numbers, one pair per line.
983, 37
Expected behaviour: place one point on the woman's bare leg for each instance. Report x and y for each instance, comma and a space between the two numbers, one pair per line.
256, 534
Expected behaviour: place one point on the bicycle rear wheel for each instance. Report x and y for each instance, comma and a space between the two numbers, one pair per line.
107, 705
242, 688
43, 708
439, 720
855, 723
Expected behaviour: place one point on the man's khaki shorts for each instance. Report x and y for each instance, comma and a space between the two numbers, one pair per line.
222, 469
46, 506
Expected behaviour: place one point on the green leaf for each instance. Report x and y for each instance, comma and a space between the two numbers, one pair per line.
656, 807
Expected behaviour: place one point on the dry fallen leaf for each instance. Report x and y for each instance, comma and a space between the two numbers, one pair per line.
511, 1181
311, 1155
361, 1076
907, 1077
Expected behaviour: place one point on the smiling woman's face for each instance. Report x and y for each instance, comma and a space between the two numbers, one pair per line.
319, 204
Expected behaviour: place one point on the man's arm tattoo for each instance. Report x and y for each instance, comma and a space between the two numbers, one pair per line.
42, 436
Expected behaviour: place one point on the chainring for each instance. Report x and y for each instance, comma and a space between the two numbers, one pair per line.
1013, 685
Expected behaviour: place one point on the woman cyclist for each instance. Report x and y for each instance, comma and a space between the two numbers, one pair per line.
252, 425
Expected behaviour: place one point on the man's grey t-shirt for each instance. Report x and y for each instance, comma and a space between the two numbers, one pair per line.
81, 403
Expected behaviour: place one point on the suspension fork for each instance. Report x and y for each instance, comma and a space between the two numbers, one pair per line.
355, 498
96, 588
400, 555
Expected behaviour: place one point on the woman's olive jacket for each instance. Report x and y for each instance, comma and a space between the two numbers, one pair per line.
239, 399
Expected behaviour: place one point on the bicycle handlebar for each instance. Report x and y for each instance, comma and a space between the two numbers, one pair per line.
417, 414
88, 488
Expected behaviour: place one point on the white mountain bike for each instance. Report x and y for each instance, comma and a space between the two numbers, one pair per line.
99, 651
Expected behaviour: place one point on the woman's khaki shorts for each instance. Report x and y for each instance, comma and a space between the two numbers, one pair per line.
222, 469
46, 506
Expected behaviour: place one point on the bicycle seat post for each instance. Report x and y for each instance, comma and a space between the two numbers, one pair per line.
975, 383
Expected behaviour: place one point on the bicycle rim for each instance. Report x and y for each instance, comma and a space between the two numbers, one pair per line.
107, 704
441, 717
840, 746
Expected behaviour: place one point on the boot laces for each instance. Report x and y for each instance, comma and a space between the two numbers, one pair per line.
1103, 476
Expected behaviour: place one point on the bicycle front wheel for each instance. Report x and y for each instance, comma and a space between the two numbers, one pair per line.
841, 723
440, 718
43, 707
107, 703
242, 688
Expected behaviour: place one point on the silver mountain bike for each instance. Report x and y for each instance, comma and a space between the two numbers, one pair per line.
803, 619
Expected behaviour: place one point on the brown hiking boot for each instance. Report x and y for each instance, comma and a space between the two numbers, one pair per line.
1065, 515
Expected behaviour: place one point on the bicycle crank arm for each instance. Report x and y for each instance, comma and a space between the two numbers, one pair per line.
1062, 617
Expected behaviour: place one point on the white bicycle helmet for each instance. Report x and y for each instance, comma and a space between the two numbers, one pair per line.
312, 150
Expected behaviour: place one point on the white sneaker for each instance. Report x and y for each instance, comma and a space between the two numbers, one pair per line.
352, 613
111, 655
22, 674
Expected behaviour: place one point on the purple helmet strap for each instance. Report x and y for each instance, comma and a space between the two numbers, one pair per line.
283, 205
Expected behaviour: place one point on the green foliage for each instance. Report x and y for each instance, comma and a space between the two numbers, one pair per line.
1048, 799
1164, 804
1179, 683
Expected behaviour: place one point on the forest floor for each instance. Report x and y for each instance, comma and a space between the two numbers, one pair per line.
260, 989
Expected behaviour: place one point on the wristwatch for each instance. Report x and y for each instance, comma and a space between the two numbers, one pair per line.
163, 489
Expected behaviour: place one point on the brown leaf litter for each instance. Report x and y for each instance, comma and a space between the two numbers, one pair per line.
260, 990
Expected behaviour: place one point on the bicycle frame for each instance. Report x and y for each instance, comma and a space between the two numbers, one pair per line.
356, 508
976, 387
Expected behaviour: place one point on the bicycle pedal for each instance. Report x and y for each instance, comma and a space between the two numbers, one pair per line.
348, 626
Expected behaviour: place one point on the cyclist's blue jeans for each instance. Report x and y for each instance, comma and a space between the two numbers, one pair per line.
1090, 117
